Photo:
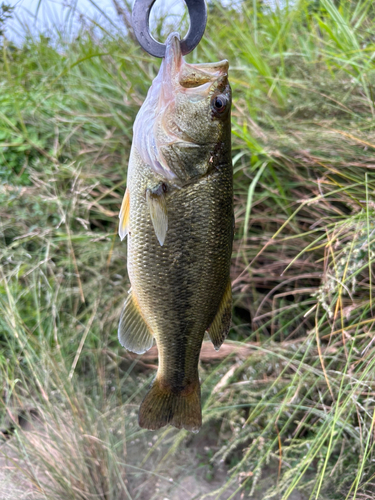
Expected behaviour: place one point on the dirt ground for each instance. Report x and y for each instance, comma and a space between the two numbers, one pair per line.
185, 476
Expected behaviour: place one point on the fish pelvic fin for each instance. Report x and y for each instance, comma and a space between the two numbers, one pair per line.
158, 211
219, 328
133, 331
124, 216
164, 405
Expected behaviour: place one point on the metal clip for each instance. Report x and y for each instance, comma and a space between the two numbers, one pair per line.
141, 15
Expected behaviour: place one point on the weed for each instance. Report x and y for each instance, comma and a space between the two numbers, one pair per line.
291, 407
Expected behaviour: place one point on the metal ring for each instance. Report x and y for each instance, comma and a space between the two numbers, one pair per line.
141, 15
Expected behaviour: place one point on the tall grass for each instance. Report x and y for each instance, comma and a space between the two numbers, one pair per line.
292, 407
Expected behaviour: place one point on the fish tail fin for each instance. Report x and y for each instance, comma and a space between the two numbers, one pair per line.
164, 405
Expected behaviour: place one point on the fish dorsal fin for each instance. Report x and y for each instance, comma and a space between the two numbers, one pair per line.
133, 332
219, 328
158, 211
124, 216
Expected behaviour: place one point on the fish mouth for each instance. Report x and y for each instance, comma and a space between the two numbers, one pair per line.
178, 72
196, 81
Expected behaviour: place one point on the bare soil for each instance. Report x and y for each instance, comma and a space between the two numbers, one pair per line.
186, 475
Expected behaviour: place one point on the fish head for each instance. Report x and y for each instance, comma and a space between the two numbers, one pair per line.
185, 119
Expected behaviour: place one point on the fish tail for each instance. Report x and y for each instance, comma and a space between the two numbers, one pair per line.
165, 405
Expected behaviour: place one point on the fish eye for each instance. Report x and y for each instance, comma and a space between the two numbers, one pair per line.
219, 103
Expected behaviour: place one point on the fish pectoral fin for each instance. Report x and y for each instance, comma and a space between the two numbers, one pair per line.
158, 211
124, 216
219, 328
133, 332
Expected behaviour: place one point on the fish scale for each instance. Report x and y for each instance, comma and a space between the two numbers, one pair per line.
180, 232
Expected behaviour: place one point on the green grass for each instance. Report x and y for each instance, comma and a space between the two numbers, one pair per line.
296, 411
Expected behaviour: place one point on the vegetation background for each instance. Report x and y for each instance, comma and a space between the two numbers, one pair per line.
288, 402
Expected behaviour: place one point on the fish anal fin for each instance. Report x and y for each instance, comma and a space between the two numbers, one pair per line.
124, 216
219, 328
158, 211
162, 406
133, 332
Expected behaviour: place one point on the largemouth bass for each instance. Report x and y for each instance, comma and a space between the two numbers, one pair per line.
178, 215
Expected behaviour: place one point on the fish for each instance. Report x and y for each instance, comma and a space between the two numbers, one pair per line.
177, 214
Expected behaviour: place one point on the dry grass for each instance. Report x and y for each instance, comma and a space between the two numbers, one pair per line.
289, 403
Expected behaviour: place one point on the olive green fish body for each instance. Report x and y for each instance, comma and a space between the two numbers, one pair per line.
179, 222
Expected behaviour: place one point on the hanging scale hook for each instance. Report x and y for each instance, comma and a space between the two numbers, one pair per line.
141, 16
